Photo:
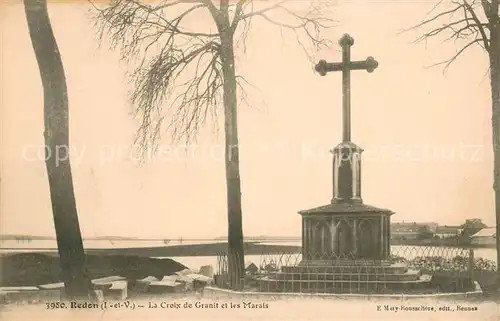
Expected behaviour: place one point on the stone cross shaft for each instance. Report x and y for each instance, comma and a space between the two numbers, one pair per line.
323, 67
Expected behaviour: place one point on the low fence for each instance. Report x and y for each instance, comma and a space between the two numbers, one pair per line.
409, 269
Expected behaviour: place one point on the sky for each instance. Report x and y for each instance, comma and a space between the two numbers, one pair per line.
426, 134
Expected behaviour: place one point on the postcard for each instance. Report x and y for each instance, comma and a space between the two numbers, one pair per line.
253, 160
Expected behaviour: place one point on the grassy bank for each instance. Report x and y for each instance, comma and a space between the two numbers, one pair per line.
207, 249
25, 269
29, 269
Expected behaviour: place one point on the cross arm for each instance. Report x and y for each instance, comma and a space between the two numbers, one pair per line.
370, 64
323, 67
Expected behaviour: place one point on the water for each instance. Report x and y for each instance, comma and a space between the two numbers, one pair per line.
51, 245
195, 262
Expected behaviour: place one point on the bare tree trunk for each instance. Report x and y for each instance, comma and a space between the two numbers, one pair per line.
494, 55
495, 121
236, 263
69, 239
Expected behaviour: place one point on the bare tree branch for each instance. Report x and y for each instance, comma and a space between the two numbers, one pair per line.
141, 30
213, 11
155, 84
481, 26
438, 16
445, 27
278, 5
310, 24
448, 62
245, 100
238, 13
241, 6
169, 51
468, 26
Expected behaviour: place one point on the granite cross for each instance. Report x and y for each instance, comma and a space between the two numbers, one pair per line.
346, 66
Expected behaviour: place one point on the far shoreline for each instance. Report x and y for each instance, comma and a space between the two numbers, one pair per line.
216, 249
185, 250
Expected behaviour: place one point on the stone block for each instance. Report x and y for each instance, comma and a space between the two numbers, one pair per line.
97, 296
117, 291
148, 279
184, 272
207, 270
105, 283
3, 297
187, 281
102, 287
200, 281
160, 287
142, 285
52, 295
21, 296
108, 279
18, 288
171, 278
201, 278
51, 286
52, 291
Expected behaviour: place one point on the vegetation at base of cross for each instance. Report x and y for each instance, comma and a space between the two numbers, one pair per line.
438, 263
186, 76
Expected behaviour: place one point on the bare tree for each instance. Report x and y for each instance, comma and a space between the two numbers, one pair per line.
475, 23
69, 239
171, 50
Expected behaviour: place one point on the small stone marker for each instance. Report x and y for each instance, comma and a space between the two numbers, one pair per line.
207, 270
158, 287
98, 296
142, 285
118, 290
271, 267
251, 268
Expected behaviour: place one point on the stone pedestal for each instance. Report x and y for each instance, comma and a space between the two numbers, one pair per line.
345, 231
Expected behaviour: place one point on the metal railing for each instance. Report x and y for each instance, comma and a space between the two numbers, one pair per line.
408, 270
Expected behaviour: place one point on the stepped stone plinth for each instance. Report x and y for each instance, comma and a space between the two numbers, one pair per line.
346, 278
